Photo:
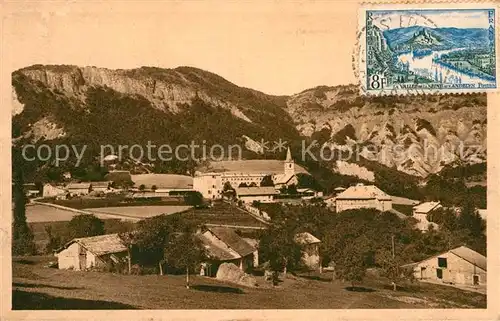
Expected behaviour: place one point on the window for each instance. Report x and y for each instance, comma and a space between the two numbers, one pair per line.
439, 273
442, 262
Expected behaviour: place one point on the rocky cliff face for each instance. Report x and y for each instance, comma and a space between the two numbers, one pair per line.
166, 89
416, 135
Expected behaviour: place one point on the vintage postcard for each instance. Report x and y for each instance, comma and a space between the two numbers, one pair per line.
429, 50
258, 160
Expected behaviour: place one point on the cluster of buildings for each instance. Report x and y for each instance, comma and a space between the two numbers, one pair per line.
456, 266
245, 177
76, 189
222, 245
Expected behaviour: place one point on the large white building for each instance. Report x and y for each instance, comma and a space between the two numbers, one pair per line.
363, 196
210, 181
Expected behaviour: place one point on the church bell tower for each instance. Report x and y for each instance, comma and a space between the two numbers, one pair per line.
289, 163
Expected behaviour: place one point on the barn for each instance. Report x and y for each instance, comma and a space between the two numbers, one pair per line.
103, 251
457, 266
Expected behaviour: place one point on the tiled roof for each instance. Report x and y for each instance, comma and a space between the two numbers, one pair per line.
100, 245
233, 240
426, 207
306, 238
259, 190
363, 192
283, 178
470, 256
217, 249
100, 184
78, 185
463, 252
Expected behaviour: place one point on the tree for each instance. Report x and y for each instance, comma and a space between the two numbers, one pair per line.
444, 217
352, 265
154, 188
243, 184
228, 190
389, 265
267, 181
184, 251
292, 189
22, 236
227, 187
142, 187
278, 246
54, 240
252, 184
85, 225
470, 219
193, 199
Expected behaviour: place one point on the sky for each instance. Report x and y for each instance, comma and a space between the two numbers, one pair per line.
275, 47
434, 18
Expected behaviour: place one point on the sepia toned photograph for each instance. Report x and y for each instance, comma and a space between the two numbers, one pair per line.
184, 155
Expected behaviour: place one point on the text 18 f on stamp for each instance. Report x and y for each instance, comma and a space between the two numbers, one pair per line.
427, 50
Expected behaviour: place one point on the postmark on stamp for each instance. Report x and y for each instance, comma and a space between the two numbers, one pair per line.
427, 50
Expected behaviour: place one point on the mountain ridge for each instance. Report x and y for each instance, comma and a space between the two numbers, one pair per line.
187, 103
402, 39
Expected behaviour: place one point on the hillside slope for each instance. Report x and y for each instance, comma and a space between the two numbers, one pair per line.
95, 106
417, 135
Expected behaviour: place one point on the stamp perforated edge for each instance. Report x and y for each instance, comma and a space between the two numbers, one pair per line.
358, 56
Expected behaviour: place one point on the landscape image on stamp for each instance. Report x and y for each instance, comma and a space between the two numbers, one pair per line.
174, 187
432, 49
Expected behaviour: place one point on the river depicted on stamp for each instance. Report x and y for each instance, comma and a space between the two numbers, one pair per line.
428, 50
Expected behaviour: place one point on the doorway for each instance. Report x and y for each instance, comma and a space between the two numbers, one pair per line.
475, 279
422, 272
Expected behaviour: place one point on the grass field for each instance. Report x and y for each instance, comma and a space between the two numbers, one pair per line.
115, 201
223, 214
41, 237
139, 212
37, 287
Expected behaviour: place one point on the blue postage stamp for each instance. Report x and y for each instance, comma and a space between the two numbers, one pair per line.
428, 50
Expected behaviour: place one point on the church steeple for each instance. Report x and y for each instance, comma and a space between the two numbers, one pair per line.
288, 155
289, 163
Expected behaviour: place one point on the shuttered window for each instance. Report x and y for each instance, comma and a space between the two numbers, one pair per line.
442, 262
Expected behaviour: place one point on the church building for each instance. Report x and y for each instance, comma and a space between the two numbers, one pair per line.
210, 181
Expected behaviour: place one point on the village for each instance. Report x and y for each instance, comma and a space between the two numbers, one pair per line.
252, 224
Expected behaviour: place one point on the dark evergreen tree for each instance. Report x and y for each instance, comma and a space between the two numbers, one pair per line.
22, 236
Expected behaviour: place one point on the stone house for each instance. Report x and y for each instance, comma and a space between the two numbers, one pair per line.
310, 249
457, 266
86, 253
363, 196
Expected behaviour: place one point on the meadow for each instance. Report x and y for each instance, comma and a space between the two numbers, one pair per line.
38, 287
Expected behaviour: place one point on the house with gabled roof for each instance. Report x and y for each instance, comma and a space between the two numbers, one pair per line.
223, 245
460, 265
363, 196
421, 211
87, 253
263, 194
75, 189
310, 249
